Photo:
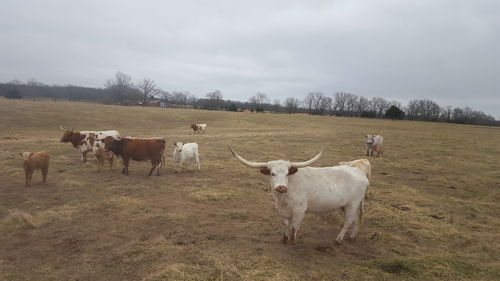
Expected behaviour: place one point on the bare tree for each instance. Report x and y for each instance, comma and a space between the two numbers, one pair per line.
318, 102
363, 106
166, 96
424, 110
276, 105
121, 80
446, 114
258, 100
327, 105
215, 100
309, 101
148, 88
291, 105
380, 106
121, 88
339, 103
351, 103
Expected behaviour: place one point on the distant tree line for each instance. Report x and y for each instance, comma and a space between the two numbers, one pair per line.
122, 90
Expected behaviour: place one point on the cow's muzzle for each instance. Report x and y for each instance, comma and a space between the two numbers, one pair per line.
281, 189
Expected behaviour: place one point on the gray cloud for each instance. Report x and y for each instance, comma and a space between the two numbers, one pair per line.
442, 50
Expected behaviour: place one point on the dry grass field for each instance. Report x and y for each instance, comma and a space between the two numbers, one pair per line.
433, 214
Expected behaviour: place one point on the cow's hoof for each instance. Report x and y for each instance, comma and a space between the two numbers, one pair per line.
284, 240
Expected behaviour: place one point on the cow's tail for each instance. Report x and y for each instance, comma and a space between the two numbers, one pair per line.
163, 158
361, 210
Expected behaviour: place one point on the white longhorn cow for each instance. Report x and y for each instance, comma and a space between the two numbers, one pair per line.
299, 189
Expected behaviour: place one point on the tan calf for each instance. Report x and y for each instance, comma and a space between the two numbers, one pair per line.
379, 149
102, 155
35, 161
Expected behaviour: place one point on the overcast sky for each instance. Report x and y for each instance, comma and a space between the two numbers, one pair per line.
444, 50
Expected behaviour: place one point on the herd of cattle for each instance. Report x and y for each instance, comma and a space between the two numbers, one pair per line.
297, 188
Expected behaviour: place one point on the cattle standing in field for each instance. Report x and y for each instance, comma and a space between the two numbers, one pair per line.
102, 156
299, 189
85, 141
35, 161
362, 164
372, 140
138, 150
379, 149
199, 128
185, 152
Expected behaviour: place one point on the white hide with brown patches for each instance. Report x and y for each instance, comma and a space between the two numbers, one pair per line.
298, 189
371, 141
87, 141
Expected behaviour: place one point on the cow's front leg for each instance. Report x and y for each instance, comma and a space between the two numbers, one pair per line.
84, 156
286, 222
125, 166
295, 223
179, 166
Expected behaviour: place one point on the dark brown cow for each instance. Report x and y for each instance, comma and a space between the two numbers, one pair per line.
138, 150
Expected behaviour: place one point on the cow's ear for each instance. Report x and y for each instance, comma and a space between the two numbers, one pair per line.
174, 143
265, 171
292, 170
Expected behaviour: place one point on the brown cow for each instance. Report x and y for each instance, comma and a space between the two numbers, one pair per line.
35, 161
195, 128
138, 150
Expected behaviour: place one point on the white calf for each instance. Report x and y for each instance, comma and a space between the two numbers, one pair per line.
183, 152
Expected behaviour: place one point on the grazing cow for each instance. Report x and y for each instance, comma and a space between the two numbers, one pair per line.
372, 140
85, 141
379, 149
362, 164
185, 152
298, 189
138, 150
199, 128
102, 156
35, 161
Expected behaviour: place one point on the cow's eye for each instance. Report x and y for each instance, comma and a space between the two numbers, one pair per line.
273, 174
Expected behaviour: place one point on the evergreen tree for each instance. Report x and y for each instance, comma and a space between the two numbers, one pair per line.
394, 113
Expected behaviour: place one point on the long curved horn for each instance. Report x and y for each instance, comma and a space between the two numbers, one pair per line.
246, 162
308, 162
